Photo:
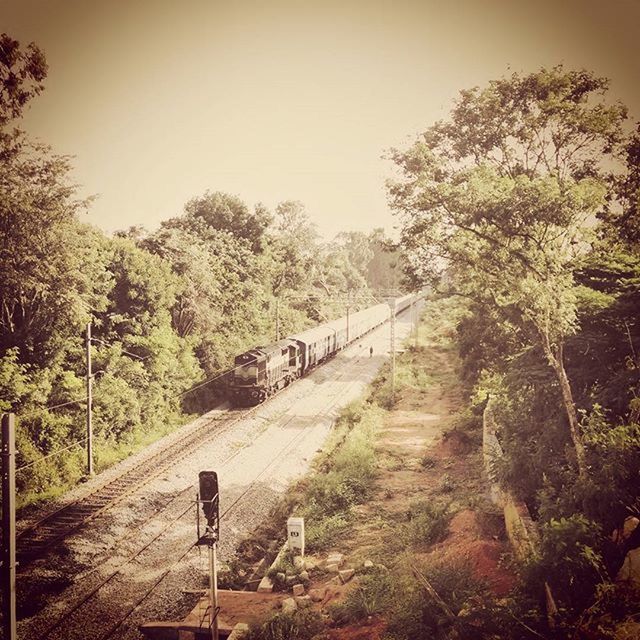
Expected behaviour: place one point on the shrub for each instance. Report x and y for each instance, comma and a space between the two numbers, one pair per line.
301, 625
570, 560
373, 594
428, 522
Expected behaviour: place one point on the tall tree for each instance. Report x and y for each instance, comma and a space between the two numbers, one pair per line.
503, 196
225, 212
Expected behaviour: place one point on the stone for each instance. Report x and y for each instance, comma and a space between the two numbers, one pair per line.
303, 601
335, 558
298, 589
298, 562
266, 585
239, 631
281, 577
291, 580
304, 575
317, 595
332, 568
289, 605
346, 575
368, 564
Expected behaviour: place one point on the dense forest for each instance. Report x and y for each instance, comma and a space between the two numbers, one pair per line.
169, 309
525, 205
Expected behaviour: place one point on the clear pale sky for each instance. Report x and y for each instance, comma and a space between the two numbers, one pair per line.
159, 100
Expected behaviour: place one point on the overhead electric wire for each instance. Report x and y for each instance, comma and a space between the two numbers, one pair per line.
50, 455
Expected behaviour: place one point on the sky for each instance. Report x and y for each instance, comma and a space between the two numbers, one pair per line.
159, 100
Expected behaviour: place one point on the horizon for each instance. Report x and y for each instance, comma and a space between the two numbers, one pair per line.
287, 101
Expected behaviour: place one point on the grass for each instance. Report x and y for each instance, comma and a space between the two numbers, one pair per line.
345, 477
301, 625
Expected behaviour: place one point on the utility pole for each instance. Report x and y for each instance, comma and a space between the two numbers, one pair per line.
348, 325
277, 319
8, 527
89, 382
392, 323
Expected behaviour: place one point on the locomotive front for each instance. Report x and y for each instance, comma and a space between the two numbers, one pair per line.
248, 382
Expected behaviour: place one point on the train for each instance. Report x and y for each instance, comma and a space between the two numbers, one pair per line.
261, 372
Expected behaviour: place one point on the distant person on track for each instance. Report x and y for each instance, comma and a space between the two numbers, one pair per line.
370, 352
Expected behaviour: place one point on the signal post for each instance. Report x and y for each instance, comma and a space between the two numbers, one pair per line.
209, 498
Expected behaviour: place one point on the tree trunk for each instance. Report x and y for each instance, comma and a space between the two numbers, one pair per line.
557, 364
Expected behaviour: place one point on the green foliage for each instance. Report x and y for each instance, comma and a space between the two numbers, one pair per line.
301, 625
373, 594
346, 480
428, 522
570, 560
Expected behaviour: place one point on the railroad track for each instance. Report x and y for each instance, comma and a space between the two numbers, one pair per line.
44, 535
65, 624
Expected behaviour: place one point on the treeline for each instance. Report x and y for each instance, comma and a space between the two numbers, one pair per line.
169, 310
525, 204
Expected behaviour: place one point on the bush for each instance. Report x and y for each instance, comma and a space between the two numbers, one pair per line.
373, 594
428, 522
301, 625
570, 560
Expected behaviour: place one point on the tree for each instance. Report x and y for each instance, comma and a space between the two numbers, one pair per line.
503, 195
225, 212
22, 72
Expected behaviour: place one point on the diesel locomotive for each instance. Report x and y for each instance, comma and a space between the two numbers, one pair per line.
261, 372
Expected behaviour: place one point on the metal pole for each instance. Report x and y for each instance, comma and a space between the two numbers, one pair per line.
89, 382
414, 320
392, 309
347, 324
213, 596
9, 527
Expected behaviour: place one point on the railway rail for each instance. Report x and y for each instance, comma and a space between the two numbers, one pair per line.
85, 607
42, 536
51, 531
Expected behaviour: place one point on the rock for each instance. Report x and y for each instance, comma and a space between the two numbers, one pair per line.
298, 589
239, 631
281, 577
289, 605
266, 585
368, 564
291, 580
304, 575
317, 595
332, 568
346, 575
335, 558
298, 562
303, 601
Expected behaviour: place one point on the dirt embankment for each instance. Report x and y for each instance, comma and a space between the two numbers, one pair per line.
426, 457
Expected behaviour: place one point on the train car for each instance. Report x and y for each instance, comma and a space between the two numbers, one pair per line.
403, 302
262, 371
315, 345
363, 321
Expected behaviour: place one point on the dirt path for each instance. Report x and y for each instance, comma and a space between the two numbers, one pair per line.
424, 456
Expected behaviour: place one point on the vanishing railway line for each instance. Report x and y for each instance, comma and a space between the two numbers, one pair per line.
86, 604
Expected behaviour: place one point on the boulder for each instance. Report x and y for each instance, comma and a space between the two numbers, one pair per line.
317, 595
289, 605
346, 575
